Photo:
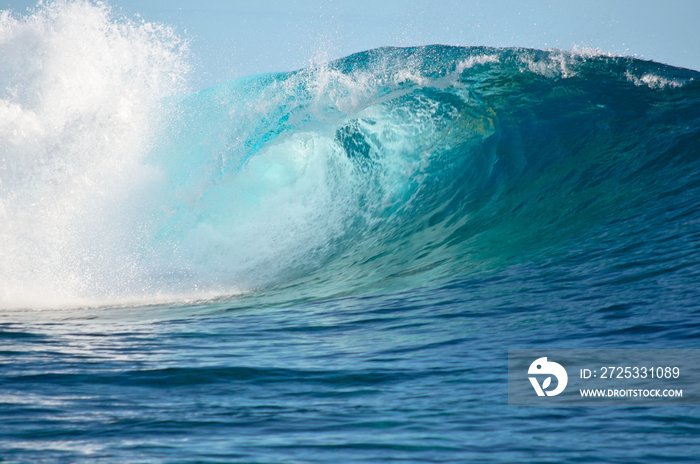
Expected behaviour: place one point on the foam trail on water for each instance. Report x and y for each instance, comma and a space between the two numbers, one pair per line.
79, 92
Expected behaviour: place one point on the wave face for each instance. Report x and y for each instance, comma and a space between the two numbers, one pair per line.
390, 168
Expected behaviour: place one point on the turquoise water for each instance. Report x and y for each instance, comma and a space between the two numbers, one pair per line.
330, 265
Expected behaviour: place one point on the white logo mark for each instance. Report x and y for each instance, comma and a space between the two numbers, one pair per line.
540, 367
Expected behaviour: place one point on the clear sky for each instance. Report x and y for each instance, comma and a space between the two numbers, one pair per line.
233, 38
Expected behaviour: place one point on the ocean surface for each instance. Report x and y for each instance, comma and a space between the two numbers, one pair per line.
331, 264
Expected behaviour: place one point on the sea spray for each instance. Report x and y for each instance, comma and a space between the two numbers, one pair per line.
79, 93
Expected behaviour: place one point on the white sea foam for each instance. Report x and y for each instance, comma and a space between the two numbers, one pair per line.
474, 61
78, 92
557, 64
653, 81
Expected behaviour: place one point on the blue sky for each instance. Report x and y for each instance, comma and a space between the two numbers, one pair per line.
237, 38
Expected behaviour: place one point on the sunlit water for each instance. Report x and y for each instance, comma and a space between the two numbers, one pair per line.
330, 265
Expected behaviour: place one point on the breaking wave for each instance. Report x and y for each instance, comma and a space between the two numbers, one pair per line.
392, 167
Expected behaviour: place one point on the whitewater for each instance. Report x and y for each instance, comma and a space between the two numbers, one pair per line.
331, 264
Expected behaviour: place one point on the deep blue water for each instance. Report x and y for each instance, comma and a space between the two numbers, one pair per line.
334, 262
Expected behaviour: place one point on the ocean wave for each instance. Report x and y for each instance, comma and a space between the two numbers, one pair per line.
391, 167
